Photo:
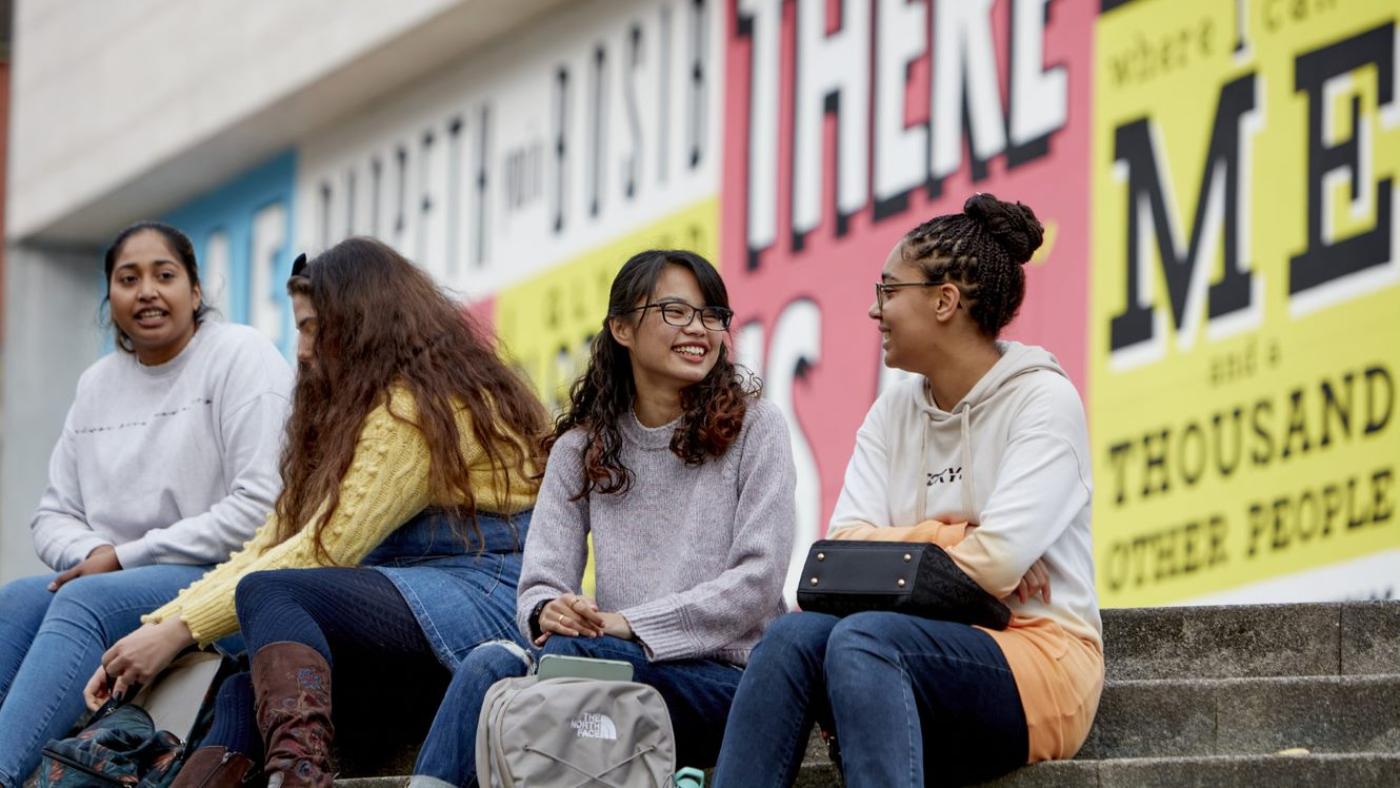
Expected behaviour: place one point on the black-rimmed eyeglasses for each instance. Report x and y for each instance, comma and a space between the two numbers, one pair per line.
681, 314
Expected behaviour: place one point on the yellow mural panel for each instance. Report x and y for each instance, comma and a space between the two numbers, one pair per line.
1245, 326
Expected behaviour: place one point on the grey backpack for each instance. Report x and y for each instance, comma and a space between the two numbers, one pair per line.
574, 733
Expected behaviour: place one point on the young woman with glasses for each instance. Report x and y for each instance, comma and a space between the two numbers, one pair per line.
985, 453
683, 478
409, 471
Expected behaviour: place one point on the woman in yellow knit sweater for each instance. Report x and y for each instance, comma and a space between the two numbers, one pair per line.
409, 475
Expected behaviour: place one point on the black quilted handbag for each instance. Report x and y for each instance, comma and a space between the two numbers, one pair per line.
842, 577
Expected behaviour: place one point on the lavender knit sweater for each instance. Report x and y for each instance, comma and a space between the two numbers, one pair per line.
694, 557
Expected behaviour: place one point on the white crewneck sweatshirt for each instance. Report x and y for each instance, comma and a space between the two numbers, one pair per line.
1012, 457
171, 464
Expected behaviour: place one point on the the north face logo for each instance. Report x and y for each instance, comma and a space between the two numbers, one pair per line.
590, 725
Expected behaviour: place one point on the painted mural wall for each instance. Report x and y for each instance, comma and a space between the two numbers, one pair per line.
242, 234
1245, 310
1220, 276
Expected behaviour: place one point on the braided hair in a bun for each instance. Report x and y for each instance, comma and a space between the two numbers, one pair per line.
982, 251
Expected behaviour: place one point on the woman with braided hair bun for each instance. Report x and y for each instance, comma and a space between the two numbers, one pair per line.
984, 453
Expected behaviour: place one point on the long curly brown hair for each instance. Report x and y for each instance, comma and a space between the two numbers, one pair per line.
713, 409
382, 323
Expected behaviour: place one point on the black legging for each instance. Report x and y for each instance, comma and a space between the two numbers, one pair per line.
344, 613
359, 622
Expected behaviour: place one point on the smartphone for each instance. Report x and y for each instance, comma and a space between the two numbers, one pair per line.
556, 666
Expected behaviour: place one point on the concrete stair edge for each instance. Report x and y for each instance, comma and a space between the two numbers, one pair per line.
1356, 769
1353, 769
1206, 717
1342, 638
1198, 663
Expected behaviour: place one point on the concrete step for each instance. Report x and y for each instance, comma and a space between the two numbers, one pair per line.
1191, 683
1216, 717
1349, 638
1325, 714
1353, 770
816, 766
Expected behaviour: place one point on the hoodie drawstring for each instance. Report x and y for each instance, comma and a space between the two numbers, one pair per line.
921, 505
967, 489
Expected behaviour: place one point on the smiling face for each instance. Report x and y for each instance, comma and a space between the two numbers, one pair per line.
153, 300
664, 355
912, 319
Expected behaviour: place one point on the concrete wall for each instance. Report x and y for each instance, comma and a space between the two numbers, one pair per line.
51, 335
161, 119
149, 108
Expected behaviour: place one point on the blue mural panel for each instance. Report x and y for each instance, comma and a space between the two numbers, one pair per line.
242, 233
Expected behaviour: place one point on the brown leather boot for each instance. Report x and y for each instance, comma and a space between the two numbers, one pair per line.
292, 690
214, 767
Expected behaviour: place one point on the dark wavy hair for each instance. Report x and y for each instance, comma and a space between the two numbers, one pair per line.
178, 242
382, 323
713, 409
983, 251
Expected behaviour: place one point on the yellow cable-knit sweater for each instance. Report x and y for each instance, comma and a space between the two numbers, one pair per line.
386, 484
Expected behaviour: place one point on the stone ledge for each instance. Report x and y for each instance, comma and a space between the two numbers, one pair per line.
1185, 683
1354, 770
1199, 717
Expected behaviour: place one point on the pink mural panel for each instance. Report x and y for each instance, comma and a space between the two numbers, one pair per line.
843, 132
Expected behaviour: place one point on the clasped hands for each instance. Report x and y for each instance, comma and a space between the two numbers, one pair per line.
575, 616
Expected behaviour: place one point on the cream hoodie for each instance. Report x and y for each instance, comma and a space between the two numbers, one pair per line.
1012, 457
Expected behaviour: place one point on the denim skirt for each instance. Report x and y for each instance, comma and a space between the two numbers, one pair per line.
461, 590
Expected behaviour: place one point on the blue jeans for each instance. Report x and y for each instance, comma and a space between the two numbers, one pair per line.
697, 694
914, 702
51, 642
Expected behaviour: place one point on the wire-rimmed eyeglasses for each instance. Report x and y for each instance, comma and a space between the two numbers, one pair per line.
883, 290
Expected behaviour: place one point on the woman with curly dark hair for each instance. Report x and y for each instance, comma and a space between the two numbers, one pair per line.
410, 467
684, 479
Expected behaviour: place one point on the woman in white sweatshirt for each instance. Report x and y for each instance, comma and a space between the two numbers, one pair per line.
167, 462
985, 453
